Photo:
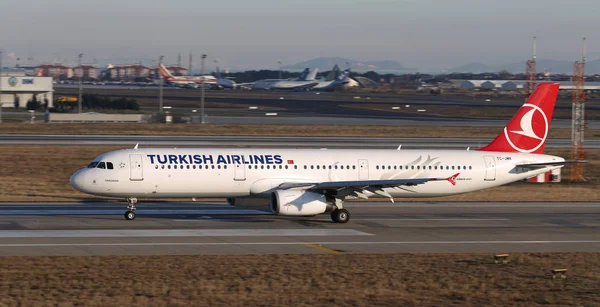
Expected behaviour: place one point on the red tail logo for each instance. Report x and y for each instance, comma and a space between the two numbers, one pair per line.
452, 179
528, 129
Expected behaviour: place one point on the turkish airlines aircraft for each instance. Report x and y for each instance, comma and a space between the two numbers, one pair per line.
306, 182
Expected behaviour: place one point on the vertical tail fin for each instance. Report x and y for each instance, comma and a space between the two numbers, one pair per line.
303, 75
164, 72
312, 75
528, 129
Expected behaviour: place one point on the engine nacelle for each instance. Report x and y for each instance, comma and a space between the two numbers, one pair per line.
299, 203
248, 201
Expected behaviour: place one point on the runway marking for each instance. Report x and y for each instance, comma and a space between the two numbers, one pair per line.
138, 211
323, 249
295, 243
439, 219
128, 233
473, 205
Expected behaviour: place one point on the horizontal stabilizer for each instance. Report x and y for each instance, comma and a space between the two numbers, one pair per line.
546, 164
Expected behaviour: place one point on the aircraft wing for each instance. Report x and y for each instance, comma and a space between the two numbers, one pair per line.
358, 187
546, 164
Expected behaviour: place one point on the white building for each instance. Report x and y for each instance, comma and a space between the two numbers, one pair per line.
25, 88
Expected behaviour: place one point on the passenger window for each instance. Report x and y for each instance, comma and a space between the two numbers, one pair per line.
318, 167
169, 167
335, 167
353, 166
156, 167
92, 165
102, 165
452, 167
188, 167
377, 167
470, 167
400, 167
199, 166
163, 167
212, 166
174, 166
295, 167
194, 166
412, 167
286, 167
218, 166
312, 167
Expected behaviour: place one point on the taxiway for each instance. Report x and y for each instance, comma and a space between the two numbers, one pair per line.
376, 227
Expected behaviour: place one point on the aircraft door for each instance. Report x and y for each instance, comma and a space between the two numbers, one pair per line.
135, 168
363, 169
490, 168
239, 172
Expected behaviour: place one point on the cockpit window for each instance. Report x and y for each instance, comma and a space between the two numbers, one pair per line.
102, 165
109, 165
93, 165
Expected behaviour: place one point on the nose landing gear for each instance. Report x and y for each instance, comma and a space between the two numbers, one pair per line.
130, 213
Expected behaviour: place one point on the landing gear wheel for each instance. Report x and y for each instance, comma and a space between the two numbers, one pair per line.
340, 216
129, 215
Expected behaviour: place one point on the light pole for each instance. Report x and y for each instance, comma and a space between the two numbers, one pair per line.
1, 103
160, 84
80, 84
202, 89
280, 72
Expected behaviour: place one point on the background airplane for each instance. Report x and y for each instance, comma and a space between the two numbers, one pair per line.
330, 85
306, 182
298, 85
184, 80
266, 84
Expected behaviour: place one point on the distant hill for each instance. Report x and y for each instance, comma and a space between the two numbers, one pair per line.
553, 66
325, 63
475, 68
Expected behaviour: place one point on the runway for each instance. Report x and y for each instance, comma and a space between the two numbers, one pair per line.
321, 142
376, 227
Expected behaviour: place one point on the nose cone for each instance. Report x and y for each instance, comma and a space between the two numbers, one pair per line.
77, 180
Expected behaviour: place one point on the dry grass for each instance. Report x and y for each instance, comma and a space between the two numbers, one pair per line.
266, 130
300, 280
41, 173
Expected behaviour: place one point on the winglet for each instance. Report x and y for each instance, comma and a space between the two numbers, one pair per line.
452, 179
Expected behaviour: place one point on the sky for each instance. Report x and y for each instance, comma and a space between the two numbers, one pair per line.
242, 34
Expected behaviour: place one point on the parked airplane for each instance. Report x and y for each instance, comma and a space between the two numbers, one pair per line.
266, 84
222, 82
190, 81
298, 85
341, 80
306, 182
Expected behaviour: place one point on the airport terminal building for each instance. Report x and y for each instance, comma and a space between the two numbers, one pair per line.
24, 88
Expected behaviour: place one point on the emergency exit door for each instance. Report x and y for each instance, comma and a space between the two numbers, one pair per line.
136, 172
490, 168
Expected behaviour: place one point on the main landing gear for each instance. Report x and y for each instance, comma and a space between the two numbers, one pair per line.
130, 213
339, 214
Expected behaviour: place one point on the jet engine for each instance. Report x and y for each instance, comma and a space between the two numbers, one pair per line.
248, 201
299, 203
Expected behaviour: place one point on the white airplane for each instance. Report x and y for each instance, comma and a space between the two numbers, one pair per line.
298, 85
340, 81
189, 81
267, 84
307, 182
